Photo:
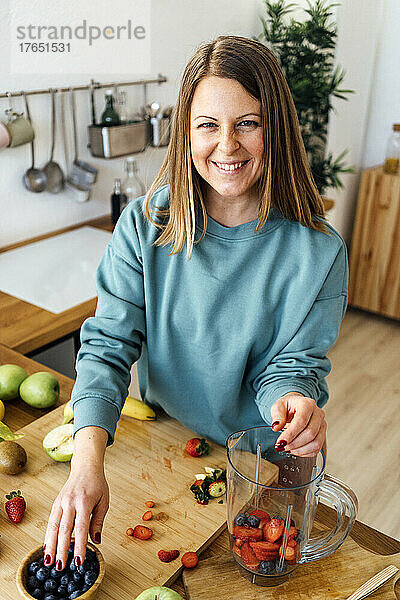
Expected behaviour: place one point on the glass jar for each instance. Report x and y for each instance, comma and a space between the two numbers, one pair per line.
392, 159
132, 185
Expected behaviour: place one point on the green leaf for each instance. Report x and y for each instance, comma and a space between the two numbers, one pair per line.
7, 434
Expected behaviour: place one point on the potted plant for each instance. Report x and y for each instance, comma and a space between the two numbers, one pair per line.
305, 51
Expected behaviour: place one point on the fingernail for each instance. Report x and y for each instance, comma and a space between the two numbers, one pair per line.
77, 561
275, 423
44, 547
280, 445
59, 565
97, 537
47, 559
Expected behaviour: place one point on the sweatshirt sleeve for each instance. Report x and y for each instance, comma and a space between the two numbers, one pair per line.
111, 341
302, 365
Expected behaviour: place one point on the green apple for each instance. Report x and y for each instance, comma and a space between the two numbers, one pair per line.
159, 592
40, 390
11, 377
58, 443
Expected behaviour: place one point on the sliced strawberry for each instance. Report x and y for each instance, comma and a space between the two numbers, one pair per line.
190, 560
249, 558
290, 554
292, 543
149, 503
263, 523
292, 532
274, 530
265, 550
142, 533
237, 550
239, 543
249, 534
168, 555
148, 515
261, 514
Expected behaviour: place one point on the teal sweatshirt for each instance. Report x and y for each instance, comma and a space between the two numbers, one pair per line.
218, 338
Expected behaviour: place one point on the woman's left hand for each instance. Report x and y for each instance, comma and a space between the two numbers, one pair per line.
305, 431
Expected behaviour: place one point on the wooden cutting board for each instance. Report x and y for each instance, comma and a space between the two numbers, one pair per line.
146, 462
331, 578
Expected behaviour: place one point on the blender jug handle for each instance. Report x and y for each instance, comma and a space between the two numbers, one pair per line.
335, 493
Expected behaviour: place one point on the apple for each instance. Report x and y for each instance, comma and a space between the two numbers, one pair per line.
40, 390
11, 377
159, 592
58, 443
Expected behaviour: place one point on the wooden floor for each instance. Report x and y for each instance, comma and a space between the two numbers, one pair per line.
363, 415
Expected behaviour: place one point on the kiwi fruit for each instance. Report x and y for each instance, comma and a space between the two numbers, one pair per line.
12, 457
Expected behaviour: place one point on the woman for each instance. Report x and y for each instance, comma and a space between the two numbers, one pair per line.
228, 288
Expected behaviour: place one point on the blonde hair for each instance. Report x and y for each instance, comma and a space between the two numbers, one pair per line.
286, 182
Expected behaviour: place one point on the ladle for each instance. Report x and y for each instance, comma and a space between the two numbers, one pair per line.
34, 179
52, 170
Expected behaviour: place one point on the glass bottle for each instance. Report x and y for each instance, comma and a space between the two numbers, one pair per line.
132, 185
122, 108
110, 116
392, 159
118, 201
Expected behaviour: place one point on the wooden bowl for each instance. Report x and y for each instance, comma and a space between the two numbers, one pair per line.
22, 573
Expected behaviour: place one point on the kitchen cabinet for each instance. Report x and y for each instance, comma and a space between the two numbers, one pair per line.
374, 281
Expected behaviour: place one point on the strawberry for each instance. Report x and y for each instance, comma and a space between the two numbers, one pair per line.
292, 532
239, 543
168, 555
237, 550
197, 447
149, 504
190, 560
274, 530
217, 488
15, 506
129, 531
147, 515
290, 554
142, 533
261, 514
248, 557
248, 534
265, 550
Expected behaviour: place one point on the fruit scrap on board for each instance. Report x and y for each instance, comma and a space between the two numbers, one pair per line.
197, 447
15, 506
148, 515
210, 485
168, 555
190, 560
142, 533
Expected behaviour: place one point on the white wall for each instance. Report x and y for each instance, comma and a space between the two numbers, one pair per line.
366, 48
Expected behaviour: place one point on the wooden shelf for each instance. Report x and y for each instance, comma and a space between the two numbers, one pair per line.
374, 282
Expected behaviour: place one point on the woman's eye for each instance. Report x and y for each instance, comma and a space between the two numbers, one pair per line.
247, 123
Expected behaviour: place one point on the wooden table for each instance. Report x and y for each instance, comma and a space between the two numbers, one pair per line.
18, 414
25, 327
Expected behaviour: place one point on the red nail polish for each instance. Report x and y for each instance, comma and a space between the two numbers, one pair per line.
59, 565
77, 561
47, 559
275, 423
44, 547
280, 445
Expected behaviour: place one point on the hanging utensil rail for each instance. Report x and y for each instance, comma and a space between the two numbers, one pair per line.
96, 84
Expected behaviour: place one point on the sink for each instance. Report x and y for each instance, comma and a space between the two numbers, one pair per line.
56, 273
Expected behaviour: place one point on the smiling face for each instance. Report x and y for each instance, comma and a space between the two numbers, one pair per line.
227, 142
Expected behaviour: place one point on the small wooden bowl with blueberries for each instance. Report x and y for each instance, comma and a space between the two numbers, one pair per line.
35, 581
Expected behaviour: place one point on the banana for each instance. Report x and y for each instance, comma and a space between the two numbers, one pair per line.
132, 408
138, 410
68, 414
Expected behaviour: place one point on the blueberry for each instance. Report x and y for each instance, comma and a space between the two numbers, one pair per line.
85, 588
50, 585
284, 566
50, 597
267, 567
299, 537
292, 523
77, 578
33, 567
240, 519
62, 590
41, 561
37, 593
253, 521
31, 583
72, 566
64, 580
90, 577
71, 587
55, 574
75, 595
42, 574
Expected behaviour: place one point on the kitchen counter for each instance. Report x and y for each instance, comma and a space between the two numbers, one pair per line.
25, 327
18, 414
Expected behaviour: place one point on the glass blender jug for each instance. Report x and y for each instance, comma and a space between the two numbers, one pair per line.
272, 498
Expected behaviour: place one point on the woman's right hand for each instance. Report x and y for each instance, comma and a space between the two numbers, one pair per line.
82, 502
